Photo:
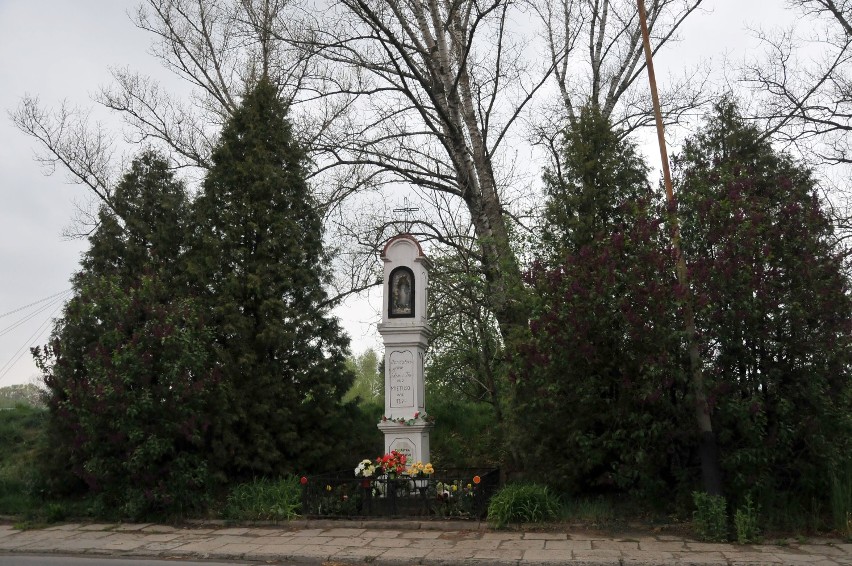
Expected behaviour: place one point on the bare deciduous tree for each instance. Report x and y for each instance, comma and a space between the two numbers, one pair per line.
424, 94
802, 87
85, 151
596, 49
443, 85
219, 48
804, 81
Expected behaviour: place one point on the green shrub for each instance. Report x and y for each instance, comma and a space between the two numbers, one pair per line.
467, 435
55, 512
710, 519
131, 399
21, 433
522, 503
746, 522
14, 499
264, 500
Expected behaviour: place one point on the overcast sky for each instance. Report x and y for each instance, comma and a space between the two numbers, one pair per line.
63, 49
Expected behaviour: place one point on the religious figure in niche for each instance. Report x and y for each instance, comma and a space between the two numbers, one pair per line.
401, 292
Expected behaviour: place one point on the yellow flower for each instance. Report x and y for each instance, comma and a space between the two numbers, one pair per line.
328, 488
419, 468
455, 487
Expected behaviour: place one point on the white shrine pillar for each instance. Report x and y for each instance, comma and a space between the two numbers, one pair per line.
405, 331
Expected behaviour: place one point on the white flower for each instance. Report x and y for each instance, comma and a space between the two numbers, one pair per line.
365, 469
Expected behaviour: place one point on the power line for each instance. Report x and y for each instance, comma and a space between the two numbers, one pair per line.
33, 303
56, 301
33, 314
34, 337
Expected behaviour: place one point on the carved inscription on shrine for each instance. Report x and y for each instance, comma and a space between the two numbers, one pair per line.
401, 379
404, 446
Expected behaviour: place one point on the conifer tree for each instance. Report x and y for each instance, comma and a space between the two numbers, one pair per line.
129, 372
599, 172
596, 384
772, 307
144, 229
260, 266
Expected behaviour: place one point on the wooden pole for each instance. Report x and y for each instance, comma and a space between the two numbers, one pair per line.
658, 115
710, 468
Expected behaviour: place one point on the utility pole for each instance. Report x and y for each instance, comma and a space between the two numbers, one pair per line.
711, 471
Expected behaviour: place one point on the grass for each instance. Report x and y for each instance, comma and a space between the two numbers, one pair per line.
21, 437
522, 503
21, 430
264, 500
592, 511
841, 500
786, 513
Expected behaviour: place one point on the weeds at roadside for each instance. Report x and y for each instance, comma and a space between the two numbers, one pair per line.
522, 503
841, 500
710, 519
597, 511
746, 522
264, 500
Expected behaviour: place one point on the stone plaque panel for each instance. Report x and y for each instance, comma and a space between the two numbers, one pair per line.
401, 386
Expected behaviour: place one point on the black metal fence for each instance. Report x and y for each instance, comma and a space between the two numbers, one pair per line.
459, 493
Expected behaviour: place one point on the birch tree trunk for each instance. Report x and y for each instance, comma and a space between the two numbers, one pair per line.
443, 85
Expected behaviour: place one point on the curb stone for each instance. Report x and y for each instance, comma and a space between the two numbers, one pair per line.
403, 543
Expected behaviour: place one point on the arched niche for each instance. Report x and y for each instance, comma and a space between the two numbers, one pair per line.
401, 293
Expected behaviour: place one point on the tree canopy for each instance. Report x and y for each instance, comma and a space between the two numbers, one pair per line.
598, 380
772, 307
132, 383
258, 267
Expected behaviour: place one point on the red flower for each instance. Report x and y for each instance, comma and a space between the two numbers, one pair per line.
303, 481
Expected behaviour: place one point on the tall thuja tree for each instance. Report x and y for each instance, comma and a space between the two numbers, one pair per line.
131, 384
586, 189
598, 390
772, 306
144, 224
260, 264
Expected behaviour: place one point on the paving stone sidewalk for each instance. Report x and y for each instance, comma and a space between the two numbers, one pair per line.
404, 544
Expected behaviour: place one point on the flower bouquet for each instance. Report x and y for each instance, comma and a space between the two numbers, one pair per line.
419, 469
365, 470
392, 463
421, 472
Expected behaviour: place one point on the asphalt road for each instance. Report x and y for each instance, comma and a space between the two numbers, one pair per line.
53, 560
